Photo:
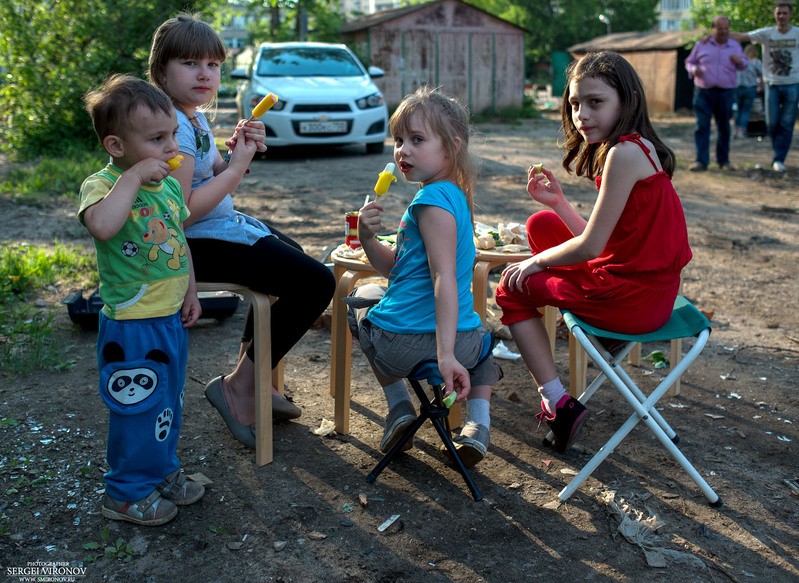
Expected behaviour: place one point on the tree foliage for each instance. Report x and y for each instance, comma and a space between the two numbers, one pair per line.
744, 16
53, 51
289, 20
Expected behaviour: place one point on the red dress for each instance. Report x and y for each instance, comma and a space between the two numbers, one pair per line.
630, 288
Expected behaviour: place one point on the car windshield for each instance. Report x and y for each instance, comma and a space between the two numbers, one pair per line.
307, 62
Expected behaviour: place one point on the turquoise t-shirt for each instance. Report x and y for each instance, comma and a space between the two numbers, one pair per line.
144, 268
408, 307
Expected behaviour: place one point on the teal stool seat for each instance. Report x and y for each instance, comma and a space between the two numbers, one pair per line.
685, 322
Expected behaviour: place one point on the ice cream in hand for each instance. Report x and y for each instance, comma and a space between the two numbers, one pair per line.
264, 105
384, 179
174, 163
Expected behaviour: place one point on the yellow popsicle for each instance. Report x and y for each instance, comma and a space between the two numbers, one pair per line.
264, 105
384, 179
175, 162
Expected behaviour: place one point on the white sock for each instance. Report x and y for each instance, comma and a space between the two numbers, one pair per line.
551, 392
395, 393
478, 410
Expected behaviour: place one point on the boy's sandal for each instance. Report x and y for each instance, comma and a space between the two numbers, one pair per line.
154, 510
180, 491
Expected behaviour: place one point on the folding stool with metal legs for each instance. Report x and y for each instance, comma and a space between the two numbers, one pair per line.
685, 322
438, 414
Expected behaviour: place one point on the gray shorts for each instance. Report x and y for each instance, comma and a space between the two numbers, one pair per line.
396, 355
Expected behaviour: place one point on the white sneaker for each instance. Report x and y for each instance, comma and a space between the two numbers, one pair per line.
778, 167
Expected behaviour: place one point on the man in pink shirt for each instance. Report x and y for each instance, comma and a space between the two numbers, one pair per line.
713, 65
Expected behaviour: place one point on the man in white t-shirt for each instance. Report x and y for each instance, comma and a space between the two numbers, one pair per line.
781, 75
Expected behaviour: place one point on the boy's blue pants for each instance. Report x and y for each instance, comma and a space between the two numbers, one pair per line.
142, 375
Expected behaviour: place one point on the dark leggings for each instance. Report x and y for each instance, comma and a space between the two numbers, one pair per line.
275, 266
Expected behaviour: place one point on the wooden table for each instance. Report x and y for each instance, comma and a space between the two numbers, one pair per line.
347, 273
487, 260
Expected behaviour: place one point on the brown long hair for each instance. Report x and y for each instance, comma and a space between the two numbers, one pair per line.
182, 37
448, 118
613, 69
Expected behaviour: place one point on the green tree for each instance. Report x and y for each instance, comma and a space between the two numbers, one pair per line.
53, 51
291, 20
744, 16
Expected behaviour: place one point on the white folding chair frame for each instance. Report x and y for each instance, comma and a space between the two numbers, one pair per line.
643, 406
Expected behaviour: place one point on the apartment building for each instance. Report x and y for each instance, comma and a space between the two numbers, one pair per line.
675, 15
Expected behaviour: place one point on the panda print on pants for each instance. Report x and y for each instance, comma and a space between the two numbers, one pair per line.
143, 390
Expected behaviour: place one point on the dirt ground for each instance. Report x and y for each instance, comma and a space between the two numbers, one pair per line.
311, 516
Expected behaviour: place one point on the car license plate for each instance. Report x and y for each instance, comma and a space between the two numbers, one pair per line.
323, 127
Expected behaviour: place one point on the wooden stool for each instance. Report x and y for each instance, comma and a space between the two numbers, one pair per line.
487, 260
264, 375
347, 273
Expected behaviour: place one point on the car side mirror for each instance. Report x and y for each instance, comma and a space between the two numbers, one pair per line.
239, 73
376, 72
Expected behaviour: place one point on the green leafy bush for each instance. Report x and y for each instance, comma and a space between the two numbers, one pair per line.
52, 180
53, 52
26, 341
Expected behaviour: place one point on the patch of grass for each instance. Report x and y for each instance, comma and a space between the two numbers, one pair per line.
25, 268
26, 340
117, 549
51, 181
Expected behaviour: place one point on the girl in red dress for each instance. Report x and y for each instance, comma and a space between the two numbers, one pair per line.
618, 270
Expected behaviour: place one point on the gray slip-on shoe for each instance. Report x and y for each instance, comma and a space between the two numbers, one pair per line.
245, 434
398, 420
471, 444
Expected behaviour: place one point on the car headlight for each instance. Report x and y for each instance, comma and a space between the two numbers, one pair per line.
370, 101
256, 99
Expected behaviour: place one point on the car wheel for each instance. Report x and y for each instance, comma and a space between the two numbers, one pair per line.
375, 148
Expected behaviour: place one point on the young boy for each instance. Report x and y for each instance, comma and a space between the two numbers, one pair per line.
134, 211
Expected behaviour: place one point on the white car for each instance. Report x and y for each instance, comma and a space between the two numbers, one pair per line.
325, 96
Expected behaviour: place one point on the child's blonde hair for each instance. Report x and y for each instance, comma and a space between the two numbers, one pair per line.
613, 69
448, 119
183, 37
752, 51
110, 105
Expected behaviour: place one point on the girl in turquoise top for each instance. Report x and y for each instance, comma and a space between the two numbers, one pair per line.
426, 312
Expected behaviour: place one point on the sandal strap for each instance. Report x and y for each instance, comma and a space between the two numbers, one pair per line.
151, 500
175, 483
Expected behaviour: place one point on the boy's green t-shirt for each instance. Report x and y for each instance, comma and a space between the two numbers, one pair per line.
144, 268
